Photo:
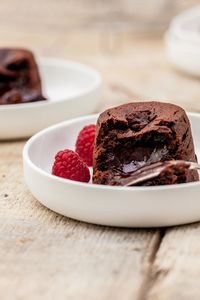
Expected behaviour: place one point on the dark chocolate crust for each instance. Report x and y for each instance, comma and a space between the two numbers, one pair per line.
19, 77
134, 134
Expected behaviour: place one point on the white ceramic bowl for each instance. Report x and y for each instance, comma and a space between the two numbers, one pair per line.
182, 54
182, 41
115, 206
73, 89
186, 25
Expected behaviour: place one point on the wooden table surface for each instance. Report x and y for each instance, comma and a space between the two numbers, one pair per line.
46, 256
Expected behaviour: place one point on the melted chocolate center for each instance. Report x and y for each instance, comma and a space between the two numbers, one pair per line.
125, 162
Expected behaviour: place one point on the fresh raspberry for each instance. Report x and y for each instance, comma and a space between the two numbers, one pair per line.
85, 144
69, 165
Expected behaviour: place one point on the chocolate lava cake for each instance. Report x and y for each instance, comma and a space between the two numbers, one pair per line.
140, 133
19, 77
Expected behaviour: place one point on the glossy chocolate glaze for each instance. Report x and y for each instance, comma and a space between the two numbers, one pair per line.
168, 171
138, 158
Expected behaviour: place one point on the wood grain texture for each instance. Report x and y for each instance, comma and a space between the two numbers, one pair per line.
176, 267
46, 256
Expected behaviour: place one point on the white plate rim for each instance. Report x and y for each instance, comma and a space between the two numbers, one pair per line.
58, 62
180, 19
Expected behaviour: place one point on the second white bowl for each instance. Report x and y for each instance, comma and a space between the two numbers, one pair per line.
72, 90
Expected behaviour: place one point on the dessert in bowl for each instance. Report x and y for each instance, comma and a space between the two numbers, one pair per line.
70, 89
105, 204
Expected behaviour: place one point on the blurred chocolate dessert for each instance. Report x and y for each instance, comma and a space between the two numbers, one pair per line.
19, 77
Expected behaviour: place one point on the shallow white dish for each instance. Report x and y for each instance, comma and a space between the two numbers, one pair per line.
73, 89
115, 206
